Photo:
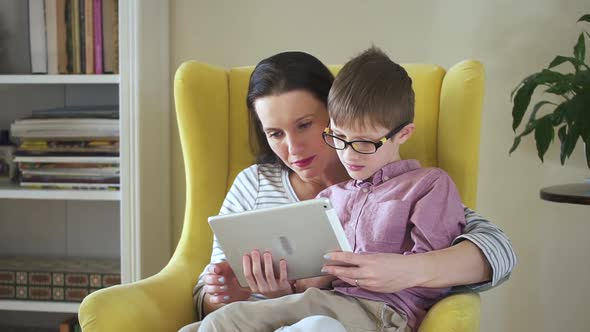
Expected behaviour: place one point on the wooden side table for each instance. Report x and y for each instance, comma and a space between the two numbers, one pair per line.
575, 193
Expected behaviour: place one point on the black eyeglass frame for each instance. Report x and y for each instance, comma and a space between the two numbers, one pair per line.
327, 136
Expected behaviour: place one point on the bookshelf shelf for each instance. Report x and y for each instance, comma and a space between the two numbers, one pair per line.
39, 306
14, 191
59, 79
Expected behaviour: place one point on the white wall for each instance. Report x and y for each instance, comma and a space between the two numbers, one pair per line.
549, 288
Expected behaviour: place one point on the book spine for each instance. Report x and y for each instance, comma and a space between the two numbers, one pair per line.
82, 33
51, 35
89, 35
75, 21
62, 36
98, 54
37, 37
69, 36
109, 27
116, 36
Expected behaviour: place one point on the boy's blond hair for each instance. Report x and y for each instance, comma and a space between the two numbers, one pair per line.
371, 90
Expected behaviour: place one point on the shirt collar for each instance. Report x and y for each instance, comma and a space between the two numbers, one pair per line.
390, 171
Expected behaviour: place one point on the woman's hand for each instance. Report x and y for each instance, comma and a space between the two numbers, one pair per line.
261, 278
221, 286
382, 273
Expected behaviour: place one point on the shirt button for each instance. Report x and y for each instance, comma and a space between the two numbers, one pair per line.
385, 178
365, 190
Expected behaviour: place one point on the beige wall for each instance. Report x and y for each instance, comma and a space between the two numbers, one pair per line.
549, 289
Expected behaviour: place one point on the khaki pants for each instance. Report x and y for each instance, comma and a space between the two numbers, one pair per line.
269, 315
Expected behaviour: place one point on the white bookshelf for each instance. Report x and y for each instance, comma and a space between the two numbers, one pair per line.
67, 223
125, 223
39, 306
59, 79
14, 191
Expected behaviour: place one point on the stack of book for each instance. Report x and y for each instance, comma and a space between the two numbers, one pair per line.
68, 148
59, 37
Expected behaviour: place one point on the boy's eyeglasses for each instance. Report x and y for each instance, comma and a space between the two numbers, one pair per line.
360, 146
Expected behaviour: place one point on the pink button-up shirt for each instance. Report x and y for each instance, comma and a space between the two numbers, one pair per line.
403, 209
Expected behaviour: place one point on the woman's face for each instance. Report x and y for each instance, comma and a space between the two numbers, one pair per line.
293, 123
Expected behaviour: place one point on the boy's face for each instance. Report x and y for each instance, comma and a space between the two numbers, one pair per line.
363, 166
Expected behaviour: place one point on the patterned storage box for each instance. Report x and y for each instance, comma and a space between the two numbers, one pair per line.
55, 279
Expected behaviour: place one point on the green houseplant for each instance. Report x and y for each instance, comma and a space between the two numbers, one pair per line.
570, 115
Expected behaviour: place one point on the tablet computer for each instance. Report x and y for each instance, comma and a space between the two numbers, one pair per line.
301, 233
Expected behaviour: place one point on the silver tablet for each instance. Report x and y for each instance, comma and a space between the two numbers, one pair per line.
300, 232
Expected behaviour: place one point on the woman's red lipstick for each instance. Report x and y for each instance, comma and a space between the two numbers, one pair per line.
303, 162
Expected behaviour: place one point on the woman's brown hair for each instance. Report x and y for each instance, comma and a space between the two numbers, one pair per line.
281, 73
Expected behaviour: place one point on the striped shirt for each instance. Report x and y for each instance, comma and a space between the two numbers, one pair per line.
268, 185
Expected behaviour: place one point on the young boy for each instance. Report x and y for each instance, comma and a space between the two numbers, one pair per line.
390, 206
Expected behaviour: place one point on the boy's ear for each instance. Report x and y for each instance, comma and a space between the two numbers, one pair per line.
405, 133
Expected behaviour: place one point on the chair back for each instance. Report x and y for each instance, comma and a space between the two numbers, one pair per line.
213, 124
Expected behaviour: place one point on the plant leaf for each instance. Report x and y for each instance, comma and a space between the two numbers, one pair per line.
545, 76
587, 145
551, 76
537, 107
523, 82
580, 49
584, 111
571, 139
514, 145
557, 61
585, 18
558, 83
559, 113
578, 111
521, 102
568, 139
559, 89
581, 79
569, 109
529, 128
561, 133
561, 59
543, 135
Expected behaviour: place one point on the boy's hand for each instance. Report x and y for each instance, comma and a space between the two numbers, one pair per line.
318, 282
261, 278
221, 285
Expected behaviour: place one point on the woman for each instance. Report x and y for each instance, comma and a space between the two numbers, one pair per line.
287, 97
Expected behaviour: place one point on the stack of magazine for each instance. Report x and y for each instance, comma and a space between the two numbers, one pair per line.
69, 148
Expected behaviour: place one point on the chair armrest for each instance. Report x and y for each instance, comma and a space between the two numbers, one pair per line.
162, 302
454, 313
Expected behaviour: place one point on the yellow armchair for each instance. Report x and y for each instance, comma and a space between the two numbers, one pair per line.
211, 107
